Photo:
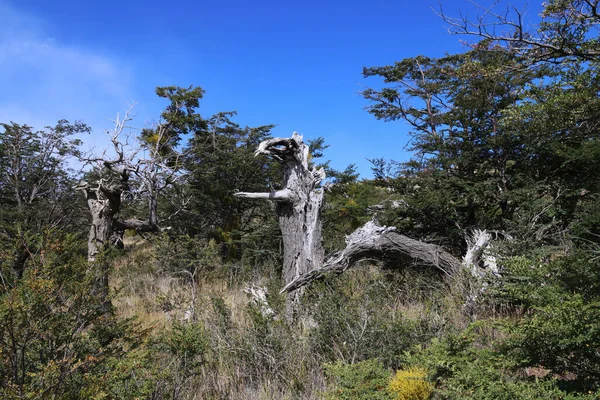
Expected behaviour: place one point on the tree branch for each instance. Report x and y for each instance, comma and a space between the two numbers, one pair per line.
381, 243
284, 195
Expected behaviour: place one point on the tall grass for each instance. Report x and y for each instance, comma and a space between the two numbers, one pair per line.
361, 315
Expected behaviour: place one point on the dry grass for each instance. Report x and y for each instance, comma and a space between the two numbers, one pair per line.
156, 300
255, 359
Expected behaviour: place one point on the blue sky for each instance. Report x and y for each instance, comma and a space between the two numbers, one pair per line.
296, 64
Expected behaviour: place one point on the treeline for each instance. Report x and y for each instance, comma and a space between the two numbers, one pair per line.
127, 281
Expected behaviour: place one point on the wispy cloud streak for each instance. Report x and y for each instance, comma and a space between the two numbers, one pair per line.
43, 80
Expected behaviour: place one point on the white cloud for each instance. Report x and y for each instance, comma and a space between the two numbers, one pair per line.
43, 80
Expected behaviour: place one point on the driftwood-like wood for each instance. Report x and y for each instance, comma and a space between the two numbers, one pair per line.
298, 207
381, 243
258, 296
478, 242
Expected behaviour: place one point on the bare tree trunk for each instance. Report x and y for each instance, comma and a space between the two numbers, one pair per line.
372, 241
104, 203
298, 208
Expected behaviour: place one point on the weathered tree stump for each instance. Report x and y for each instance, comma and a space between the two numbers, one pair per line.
298, 208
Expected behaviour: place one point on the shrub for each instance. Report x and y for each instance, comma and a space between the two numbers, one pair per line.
55, 339
411, 384
561, 325
365, 380
465, 367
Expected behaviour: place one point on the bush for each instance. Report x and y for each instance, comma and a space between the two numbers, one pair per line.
55, 339
411, 384
365, 380
560, 328
465, 366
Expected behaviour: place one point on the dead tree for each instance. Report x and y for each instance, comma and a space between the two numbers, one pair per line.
113, 181
381, 243
298, 207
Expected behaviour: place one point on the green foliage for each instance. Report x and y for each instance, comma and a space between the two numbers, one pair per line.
560, 328
178, 118
187, 343
500, 143
35, 187
220, 160
55, 340
465, 367
468, 161
365, 380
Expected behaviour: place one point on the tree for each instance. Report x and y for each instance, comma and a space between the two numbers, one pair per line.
35, 186
131, 171
457, 107
219, 159
559, 114
565, 33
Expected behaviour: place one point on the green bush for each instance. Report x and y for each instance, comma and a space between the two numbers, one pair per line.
464, 366
365, 380
56, 341
560, 328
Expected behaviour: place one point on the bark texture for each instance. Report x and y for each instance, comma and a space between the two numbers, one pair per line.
104, 203
372, 241
298, 207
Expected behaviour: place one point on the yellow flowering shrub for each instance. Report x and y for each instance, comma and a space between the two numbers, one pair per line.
410, 384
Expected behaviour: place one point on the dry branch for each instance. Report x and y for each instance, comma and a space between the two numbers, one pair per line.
372, 241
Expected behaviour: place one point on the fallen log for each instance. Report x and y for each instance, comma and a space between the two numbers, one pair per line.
380, 243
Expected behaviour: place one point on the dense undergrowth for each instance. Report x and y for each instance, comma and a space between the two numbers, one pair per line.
184, 328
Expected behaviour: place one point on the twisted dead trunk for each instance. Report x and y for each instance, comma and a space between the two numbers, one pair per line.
374, 242
298, 207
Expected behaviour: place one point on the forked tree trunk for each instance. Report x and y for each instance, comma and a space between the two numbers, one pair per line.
104, 195
104, 203
298, 207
